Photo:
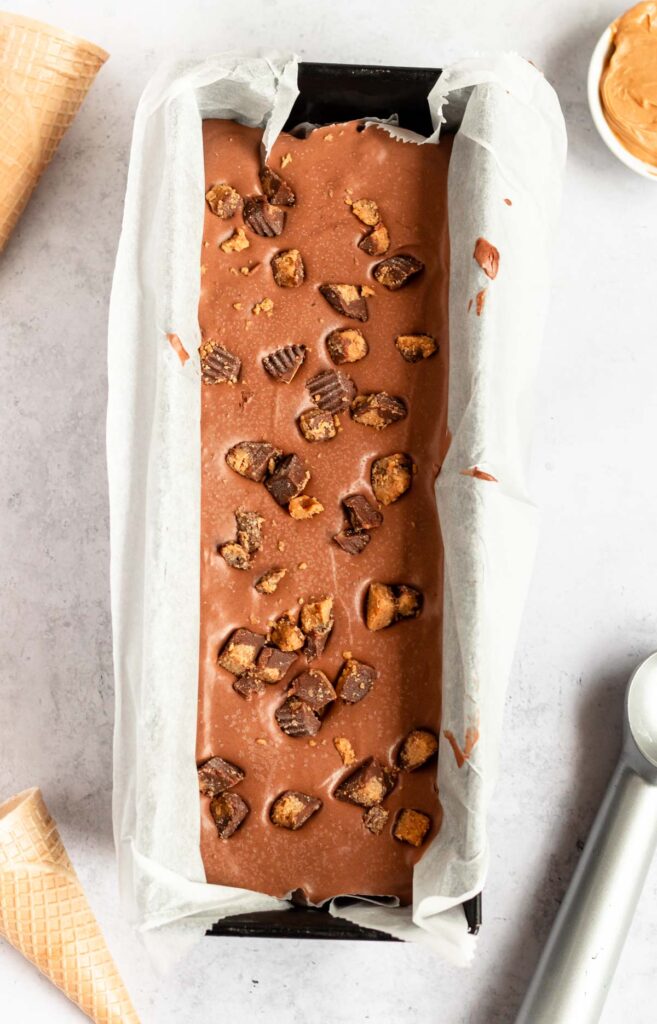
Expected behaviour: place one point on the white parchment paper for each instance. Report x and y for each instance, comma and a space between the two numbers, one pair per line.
510, 146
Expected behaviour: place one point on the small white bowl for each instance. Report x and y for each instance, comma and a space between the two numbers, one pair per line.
596, 67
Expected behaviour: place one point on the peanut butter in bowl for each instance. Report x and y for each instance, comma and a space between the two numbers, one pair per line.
628, 84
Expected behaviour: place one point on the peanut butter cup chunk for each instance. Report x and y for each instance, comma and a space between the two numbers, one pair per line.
416, 347
377, 242
346, 299
375, 819
397, 271
379, 410
347, 345
317, 425
216, 776
304, 507
361, 513
262, 217
249, 685
288, 479
218, 365
284, 362
272, 664
418, 747
288, 268
391, 476
292, 809
223, 200
314, 688
317, 621
296, 718
411, 826
331, 390
380, 607
228, 811
253, 459
367, 211
268, 582
345, 750
286, 635
409, 601
240, 651
355, 681
235, 555
352, 541
237, 242
276, 188
249, 530
367, 786
388, 603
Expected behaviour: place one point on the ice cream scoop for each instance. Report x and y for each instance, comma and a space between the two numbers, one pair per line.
575, 971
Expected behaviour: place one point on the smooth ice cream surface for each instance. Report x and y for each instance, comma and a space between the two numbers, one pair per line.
628, 87
254, 302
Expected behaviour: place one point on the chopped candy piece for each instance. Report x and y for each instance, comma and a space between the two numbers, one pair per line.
228, 811
286, 635
366, 786
391, 476
346, 345
268, 582
296, 718
411, 826
416, 347
240, 651
273, 664
288, 269
275, 187
219, 365
262, 217
375, 819
284, 362
346, 299
223, 200
352, 541
397, 271
331, 390
377, 242
216, 776
418, 747
361, 512
293, 809
313, 688
378, 410
355, 681
253, 459
288, 479
317, 425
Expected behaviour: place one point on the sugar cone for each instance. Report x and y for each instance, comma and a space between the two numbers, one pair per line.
45, 75
44, 913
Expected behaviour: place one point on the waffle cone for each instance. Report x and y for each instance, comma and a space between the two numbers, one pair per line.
45, 75
44, 913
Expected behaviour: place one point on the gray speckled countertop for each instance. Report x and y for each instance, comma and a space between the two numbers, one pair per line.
591, 613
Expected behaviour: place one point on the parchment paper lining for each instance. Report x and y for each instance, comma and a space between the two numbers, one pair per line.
510, 145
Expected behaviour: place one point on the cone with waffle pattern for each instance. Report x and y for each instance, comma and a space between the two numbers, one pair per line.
44, 913
45, 74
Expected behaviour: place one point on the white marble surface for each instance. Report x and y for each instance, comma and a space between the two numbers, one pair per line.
591, 613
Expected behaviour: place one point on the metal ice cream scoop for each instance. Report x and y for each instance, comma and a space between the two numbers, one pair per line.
575, 971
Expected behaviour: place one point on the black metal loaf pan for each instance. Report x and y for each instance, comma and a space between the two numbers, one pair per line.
330, 93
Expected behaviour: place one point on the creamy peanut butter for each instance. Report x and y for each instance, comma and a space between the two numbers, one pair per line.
628, 87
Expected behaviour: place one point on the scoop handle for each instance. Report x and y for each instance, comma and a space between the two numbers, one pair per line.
574, 973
